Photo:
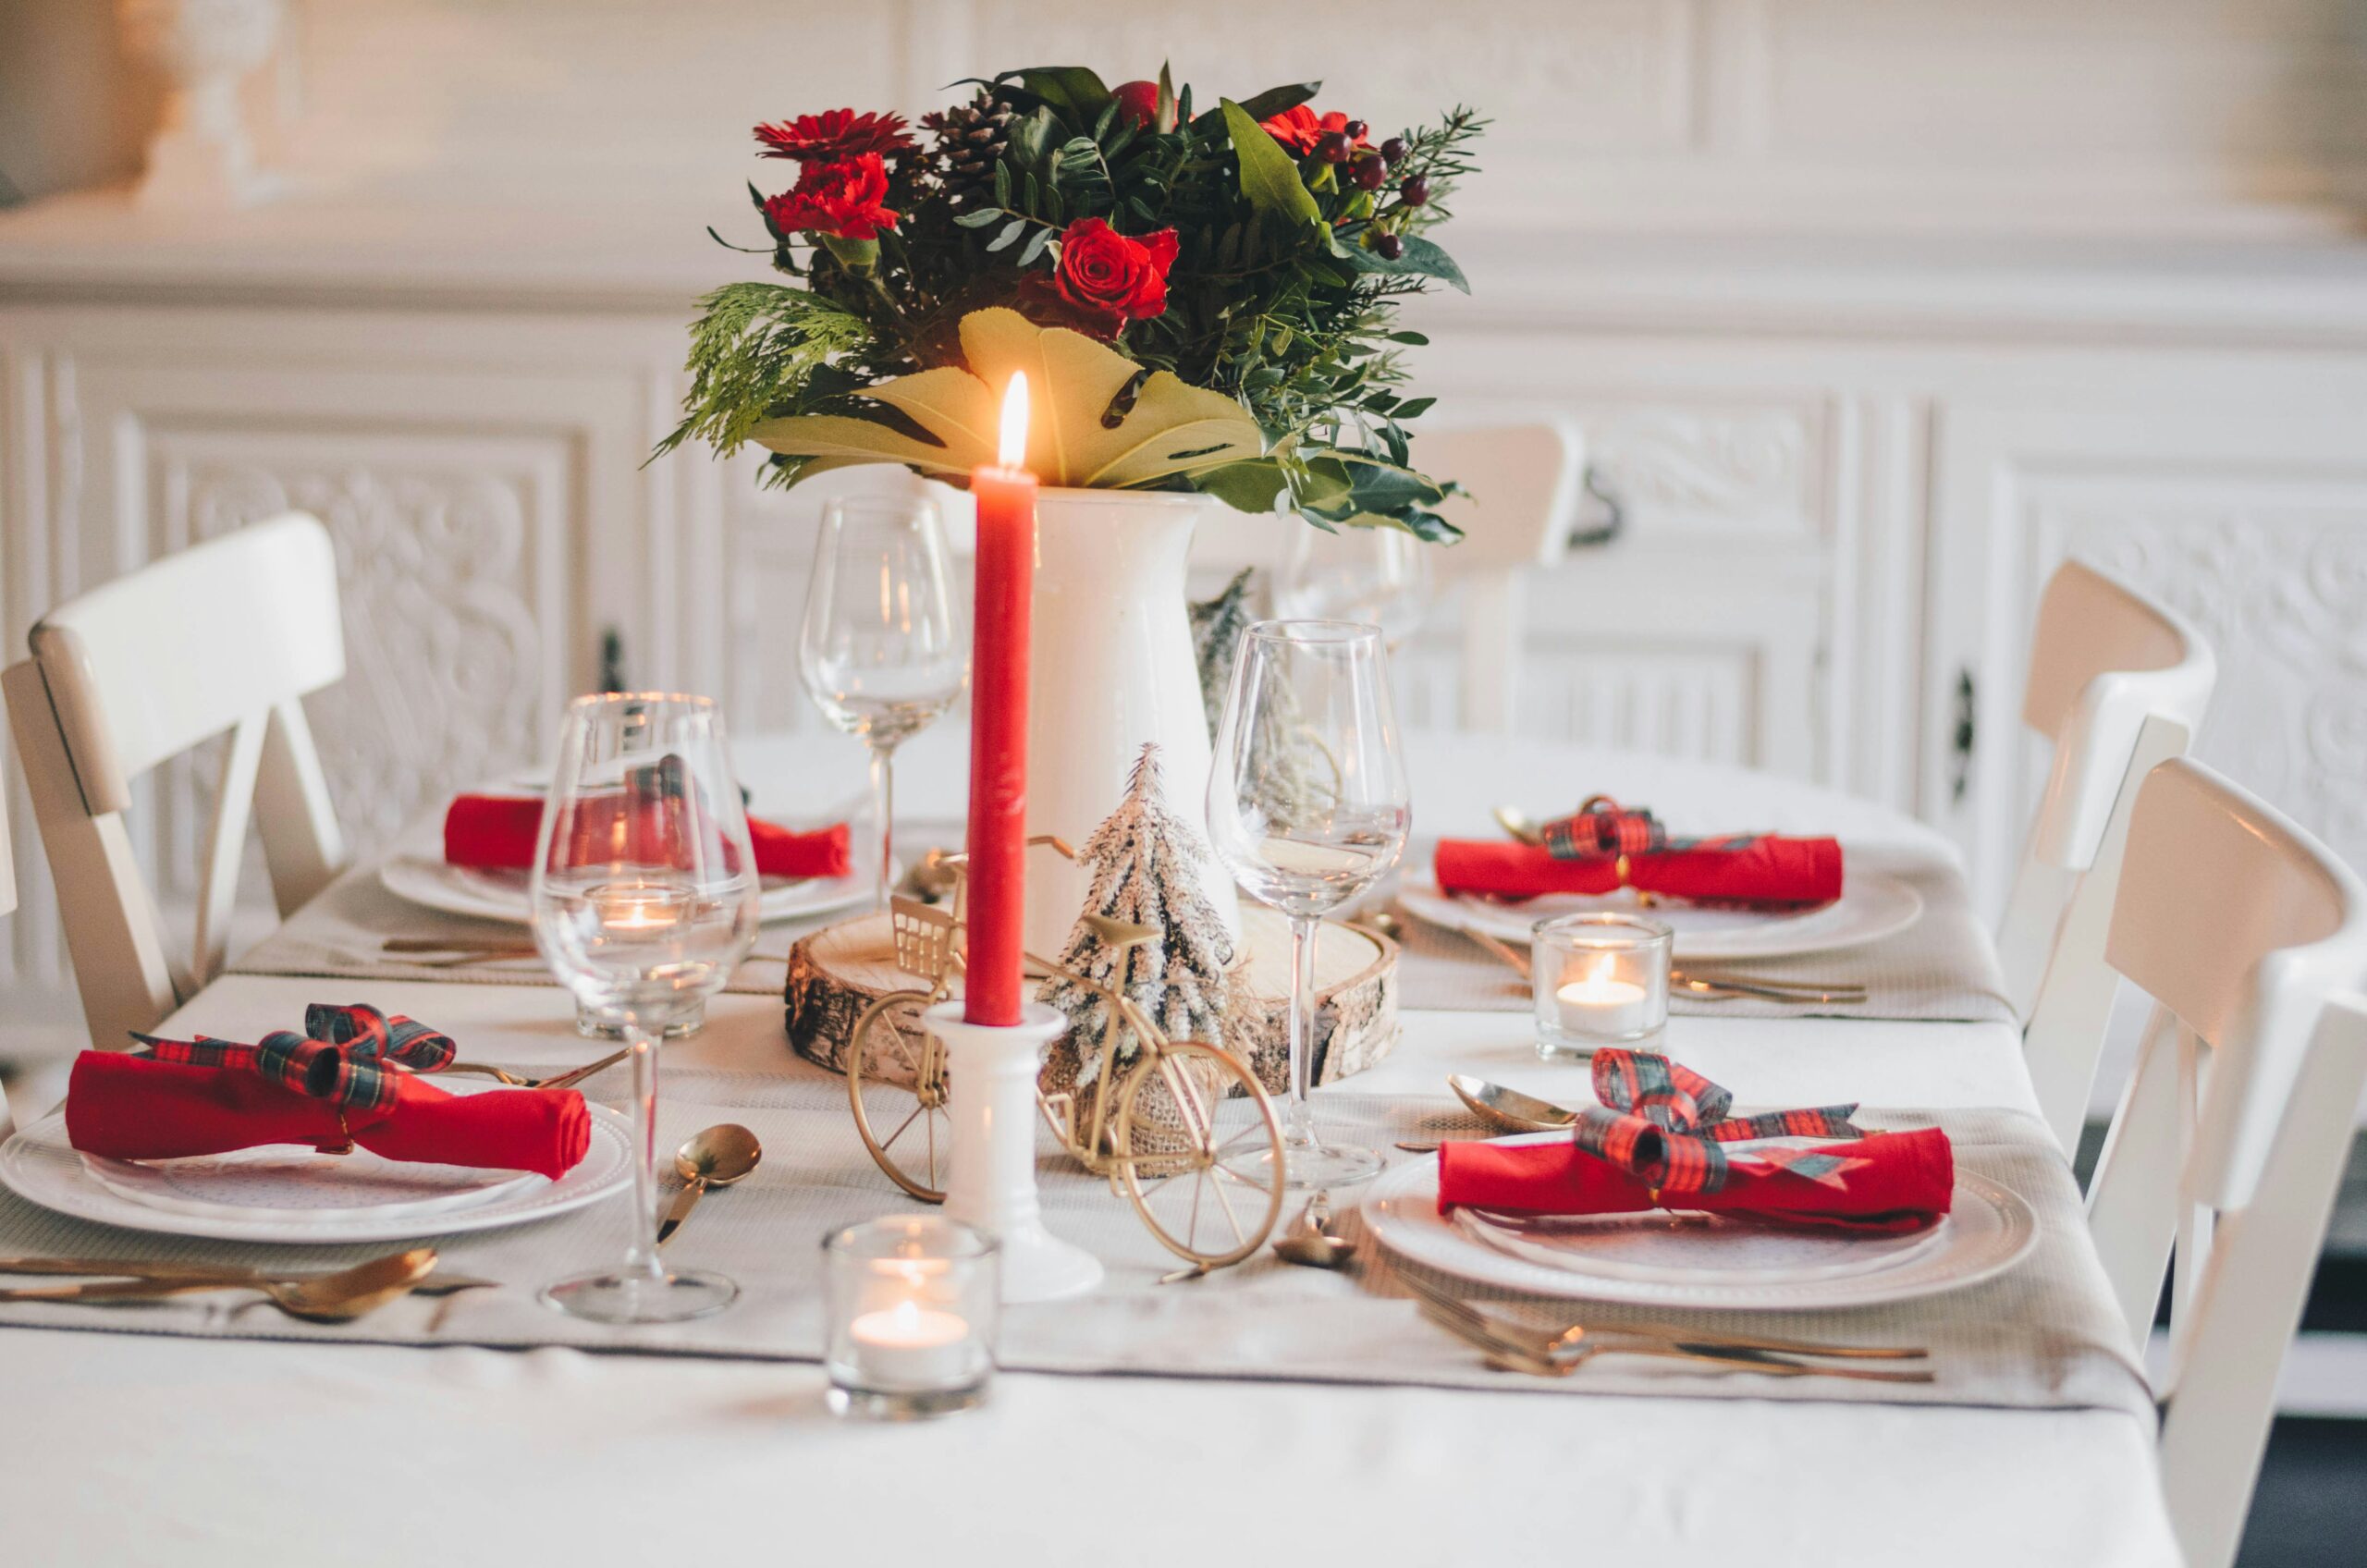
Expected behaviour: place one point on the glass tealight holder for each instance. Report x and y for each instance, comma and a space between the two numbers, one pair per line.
628, 912
913, 1303
1598, 980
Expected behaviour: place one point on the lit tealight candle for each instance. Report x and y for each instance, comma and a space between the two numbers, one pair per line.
1601, 1004
908, 1345
637, 911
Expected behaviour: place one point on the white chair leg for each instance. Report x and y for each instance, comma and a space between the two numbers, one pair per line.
2133, 1200
2250, 1299
301, 842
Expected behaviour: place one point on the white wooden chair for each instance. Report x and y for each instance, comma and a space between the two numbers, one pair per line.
2225, 1156
1525, 481
226, 637
2119, 684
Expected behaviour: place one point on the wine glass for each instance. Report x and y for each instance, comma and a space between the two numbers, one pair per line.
645, 898
1380, 575
1307, 806
880, 650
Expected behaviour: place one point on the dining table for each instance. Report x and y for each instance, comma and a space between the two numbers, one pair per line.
118, 1445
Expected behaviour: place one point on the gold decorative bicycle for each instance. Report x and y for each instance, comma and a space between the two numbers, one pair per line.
1188, 1135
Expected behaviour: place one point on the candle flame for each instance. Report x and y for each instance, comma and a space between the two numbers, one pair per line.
1014, 421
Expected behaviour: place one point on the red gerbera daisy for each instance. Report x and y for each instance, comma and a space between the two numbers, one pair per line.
842, 199
833, 136
1299, 127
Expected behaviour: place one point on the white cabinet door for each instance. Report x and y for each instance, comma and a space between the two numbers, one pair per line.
2243, 504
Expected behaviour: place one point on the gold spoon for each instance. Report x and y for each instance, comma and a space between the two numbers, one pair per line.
716, 1157
1517, 826
325, 1298
1509, 1109
1310, 1243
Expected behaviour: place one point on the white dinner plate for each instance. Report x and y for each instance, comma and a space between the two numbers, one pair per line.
39, 1164
1689, 1260
296, 1182
1871, 906
417, 871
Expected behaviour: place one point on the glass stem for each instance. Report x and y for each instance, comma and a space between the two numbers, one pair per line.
1298, 1119
883, 800
641, 1261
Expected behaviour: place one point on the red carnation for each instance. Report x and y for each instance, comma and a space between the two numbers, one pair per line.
1299, 127
834, 136
841, 199
1106, 276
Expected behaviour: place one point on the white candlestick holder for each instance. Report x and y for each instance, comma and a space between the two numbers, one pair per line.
992, 1069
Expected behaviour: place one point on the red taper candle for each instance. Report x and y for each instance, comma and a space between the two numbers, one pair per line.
1006, 593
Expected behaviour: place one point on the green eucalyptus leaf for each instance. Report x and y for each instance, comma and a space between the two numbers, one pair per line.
1412, 408
1245, 487
1010, 235
1270, 178
1035, 247
980, 219
1420, 257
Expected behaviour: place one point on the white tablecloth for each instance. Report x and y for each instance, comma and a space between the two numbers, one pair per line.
135, 1449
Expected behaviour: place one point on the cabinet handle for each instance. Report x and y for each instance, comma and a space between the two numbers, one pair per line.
1961, 742
1614, 520
612, 660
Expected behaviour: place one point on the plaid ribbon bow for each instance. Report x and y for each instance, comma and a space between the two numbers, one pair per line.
1667, 1126
1602, 828
347, 1054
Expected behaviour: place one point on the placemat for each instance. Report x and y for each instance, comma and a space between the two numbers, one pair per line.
1941, 969
2043, 1336
341, 936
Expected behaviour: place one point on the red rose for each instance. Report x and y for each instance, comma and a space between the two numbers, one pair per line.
1103, 273
1299, 127
840, 199
1137, 102
833, 136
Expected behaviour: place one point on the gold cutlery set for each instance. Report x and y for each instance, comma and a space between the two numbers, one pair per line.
1718, 986
337, 1296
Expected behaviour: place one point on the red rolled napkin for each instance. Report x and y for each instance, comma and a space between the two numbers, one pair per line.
1661, 1139
496, 833
329, 1087
1759, 869
1901, 1181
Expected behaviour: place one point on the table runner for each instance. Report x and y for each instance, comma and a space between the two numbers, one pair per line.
1941, 969
2044, 1335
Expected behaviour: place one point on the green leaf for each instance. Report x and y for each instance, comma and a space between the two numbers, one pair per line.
1268, 178
1421, 258
1010, 235
1035, 247
1245, 487
1075, 91
1411, 407
855, 255
1002, 185
1274, 100
978, 219
1165, 119
1416, 338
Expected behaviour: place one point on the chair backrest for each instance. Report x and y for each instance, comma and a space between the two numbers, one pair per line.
1525, 482
2222, 1160
226, 637
2104, 661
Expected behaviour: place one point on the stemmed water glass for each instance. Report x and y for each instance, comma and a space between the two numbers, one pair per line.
645, 898
1380, 575
1307, 806
880, 650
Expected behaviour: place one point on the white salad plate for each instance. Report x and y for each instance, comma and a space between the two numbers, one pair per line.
417, 871
1871, 906
291, 1193
1676, 1259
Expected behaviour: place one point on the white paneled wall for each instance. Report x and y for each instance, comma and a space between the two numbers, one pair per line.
1870, 311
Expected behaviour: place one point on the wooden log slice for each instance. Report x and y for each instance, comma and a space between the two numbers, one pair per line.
838, 972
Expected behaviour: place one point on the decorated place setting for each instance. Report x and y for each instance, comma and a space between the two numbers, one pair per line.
1071, 1091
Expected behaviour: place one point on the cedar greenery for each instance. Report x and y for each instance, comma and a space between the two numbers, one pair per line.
1282, 295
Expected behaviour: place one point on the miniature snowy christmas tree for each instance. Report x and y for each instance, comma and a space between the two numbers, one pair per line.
1142, 858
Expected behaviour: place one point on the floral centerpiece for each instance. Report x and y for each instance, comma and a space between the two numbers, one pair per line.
1254, 251
1204, 300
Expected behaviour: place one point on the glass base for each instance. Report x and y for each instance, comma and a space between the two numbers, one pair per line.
636, 1298
891, 1405
1556, 1045
595, 1024
1311, 1166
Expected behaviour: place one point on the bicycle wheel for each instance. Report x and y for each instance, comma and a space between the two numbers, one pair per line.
897, 1085
1199, 1150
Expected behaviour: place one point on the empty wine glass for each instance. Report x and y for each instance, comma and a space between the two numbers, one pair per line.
645, 898
881, 651
1380, 575
1307, 806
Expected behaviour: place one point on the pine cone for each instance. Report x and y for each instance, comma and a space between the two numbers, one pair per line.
970, 139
